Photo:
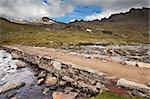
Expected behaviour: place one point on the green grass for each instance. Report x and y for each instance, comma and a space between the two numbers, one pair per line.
110, 95
11, 33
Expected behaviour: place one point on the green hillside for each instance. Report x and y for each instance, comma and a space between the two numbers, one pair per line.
128, 28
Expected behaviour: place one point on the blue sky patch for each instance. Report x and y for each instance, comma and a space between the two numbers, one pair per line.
79, 12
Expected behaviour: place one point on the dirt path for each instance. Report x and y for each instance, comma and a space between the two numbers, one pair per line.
140, 75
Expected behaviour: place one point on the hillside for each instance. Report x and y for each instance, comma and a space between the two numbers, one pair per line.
124, 28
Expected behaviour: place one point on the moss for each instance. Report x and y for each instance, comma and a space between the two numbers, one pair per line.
110, 95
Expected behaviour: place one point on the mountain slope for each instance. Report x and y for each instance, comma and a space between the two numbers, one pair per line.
124, 28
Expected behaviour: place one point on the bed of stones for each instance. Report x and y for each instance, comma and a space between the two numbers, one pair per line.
137, 55
55, 78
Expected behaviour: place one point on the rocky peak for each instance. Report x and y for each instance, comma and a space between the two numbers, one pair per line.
45, 20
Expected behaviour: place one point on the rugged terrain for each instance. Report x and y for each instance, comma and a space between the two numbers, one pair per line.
57, 73
109, 57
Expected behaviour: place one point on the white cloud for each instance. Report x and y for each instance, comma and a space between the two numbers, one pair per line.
32, 9
110, 7
72, 20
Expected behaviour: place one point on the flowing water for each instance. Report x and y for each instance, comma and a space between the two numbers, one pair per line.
10, 73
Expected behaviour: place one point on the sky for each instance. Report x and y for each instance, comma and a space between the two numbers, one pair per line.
66, 10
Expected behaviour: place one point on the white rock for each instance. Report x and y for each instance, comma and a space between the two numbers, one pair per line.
88, 30
132, 63
133, 85
143, 65
9, 85
57, 65
20, 64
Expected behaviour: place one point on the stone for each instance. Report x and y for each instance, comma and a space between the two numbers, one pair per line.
143, 65
15, 55
59, 95
11, 94
68, 79
20, 64
51, 81
72, 95
42, 74
99, 85
45, 91
148, 84
68, 89
87, 86
62, 83
10, 85
57, 65
93, 82
133, 85
132, 63
40, 81
138, 93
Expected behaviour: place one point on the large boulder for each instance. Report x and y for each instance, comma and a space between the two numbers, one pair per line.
10, 85
133, 85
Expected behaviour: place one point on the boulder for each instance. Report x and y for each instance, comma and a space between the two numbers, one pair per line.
15, 55
138, 93
42, 74
132, 63
87, 86
40, 81
57, 65
20, 64
133, 85
62, 83
51, 81
143, 65
61, 95
68, 89
68, 79
99, 85
10, 85
45, 91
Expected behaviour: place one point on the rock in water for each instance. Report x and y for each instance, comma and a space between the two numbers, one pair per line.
45, 91
40, 81
42, 74
10, 85
133, 85
20, 64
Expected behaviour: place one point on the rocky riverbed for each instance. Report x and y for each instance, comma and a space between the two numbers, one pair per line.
137, 55
35, 77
